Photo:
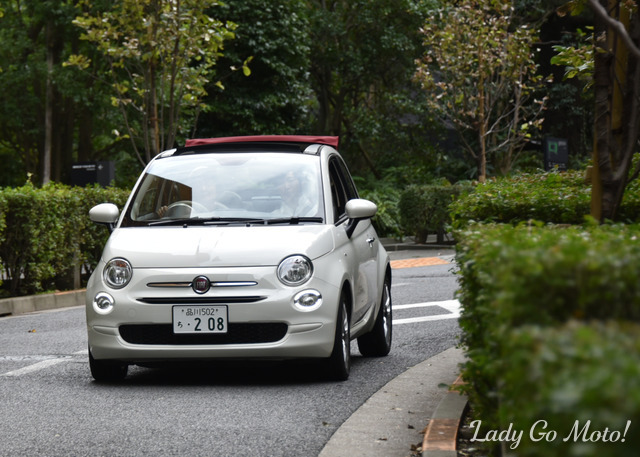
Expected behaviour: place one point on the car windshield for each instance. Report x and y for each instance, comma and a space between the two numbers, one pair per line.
229, 187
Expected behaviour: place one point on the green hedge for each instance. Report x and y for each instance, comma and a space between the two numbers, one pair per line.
534, 275
630, 208
386, 197
45, 234
561, 198
573, 390
424, 209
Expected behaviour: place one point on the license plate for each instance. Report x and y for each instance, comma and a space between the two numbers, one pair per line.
200, 319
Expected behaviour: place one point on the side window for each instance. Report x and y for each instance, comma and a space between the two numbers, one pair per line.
338, 193
342, 188
349, 186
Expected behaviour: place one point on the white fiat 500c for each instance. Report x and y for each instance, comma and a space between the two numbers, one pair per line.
240, 247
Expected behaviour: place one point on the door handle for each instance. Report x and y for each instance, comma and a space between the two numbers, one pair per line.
370, 241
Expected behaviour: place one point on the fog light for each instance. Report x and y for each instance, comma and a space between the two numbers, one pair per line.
103, 303
308, 300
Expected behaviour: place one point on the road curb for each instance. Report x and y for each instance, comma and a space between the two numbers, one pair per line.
391, 419
31, 303
442, 432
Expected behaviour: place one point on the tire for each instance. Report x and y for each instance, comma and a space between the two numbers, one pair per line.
107, 370
377, 343
339, 363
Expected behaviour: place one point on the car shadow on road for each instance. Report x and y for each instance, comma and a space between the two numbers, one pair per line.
232, 372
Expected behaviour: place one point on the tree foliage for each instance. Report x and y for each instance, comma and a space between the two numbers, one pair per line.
577, 60
276, 96
363, 53
161, 54
149, 71
480, 72
35, 39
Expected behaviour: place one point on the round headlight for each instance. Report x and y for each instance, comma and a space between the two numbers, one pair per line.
117, 273
295, 270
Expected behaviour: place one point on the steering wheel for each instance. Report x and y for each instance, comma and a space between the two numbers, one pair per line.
184, 208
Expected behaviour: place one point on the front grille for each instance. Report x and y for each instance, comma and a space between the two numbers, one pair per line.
158, 334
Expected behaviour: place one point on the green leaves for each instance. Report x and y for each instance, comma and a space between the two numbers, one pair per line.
519, 286
425, 209
479, 71
582, 372
561, 198
262, 81
577, 60
158, 51
46, 233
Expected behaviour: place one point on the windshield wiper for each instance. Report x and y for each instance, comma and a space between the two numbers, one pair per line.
251, 221
186, 221
293, 220
235, 220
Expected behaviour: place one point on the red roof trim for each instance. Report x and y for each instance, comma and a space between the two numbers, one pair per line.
329, 140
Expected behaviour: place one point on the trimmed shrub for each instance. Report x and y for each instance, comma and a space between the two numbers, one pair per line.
45, 234
559, 198
542, 276
424, 209
582, 381
386, 197
32, 238
95, 236
630, 207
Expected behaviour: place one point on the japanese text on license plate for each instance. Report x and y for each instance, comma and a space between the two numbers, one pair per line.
200, 319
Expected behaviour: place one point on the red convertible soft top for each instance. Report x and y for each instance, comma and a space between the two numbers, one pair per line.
329, 140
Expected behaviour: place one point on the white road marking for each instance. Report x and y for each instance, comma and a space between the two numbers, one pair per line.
32, 368
41, 365
453, 306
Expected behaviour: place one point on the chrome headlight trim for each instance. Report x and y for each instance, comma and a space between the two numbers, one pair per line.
295, 270
117, 273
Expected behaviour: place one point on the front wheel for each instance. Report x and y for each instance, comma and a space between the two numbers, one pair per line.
339, 363
107, 370
377, 343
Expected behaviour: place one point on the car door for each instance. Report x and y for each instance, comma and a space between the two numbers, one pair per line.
361, 248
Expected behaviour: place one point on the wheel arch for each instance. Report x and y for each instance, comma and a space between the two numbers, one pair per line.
347, 289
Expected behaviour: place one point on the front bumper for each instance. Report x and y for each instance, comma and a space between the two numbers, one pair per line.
263, 320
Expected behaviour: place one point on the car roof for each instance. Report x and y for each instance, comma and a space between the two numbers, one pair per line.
299, 139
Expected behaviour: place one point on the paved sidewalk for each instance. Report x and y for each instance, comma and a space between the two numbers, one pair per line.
393, 419
396, 417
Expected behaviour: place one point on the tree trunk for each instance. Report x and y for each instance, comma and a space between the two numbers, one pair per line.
482, 121
48, 110
617, 82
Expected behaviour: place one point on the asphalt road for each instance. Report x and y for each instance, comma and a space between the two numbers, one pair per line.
51, 407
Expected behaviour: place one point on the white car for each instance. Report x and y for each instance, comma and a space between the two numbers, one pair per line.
240, 247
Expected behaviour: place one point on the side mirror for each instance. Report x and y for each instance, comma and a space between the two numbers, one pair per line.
105, 213
357, 210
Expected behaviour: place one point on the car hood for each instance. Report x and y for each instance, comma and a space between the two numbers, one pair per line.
178, 247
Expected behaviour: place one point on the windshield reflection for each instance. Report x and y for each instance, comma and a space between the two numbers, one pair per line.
227, 187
